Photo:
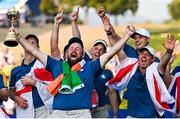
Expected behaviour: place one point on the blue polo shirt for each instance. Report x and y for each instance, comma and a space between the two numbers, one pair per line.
81, 99
21, 71
139, 101
101, 88
1, 85
176, 69
132, 52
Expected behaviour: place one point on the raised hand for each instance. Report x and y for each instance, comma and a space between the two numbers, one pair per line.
130, 29
101, 12
170, 43
28, 81
74, 15
107, 25
58, 18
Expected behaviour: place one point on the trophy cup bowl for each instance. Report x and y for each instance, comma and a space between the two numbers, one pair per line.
11, 38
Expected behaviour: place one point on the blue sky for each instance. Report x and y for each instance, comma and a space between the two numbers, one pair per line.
149, 10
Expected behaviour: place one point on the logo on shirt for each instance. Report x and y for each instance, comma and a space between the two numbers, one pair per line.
82, 70
103, 76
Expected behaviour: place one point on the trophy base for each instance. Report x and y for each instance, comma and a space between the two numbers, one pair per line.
11, 43
11, 40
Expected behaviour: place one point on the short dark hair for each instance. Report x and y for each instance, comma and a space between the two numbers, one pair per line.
75, 40
32, 36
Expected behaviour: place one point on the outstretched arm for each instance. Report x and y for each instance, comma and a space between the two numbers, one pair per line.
55, 51
30, 48
169, 45
117, 47
74, 18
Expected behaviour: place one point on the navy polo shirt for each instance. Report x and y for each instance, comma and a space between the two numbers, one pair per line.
1, 85
81, 98
21, 71
176, 69
139, 101
101, 88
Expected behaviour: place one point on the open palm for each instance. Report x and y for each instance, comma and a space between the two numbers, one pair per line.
170, 43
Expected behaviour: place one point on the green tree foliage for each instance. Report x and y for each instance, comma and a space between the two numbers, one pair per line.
67, 5
174, 9
114, 7
48, 7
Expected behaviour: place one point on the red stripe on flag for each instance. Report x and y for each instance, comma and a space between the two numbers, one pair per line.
26, 89
94, 100
178, 93
158, 94
43, 74
122, 72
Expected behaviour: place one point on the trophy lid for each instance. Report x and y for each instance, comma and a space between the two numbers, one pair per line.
13, 15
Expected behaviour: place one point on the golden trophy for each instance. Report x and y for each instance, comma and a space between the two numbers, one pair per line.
11, 38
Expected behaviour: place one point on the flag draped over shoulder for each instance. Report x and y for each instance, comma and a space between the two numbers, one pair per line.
156, 87
26, 91
174, 90
125, 71
67, 82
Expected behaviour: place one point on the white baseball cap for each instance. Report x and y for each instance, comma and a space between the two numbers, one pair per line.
150, 49
100, 41
142, 32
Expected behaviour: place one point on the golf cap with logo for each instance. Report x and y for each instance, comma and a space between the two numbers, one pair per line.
142, 32
148, 48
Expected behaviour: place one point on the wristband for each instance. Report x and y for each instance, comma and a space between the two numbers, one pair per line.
109, 33
169, 51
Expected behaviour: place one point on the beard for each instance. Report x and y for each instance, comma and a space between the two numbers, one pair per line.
73, 61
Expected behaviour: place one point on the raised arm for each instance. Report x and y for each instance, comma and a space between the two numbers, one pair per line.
169, 45
113, 37
74, 18
55, 51
30, 48
167, 76
118, 46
